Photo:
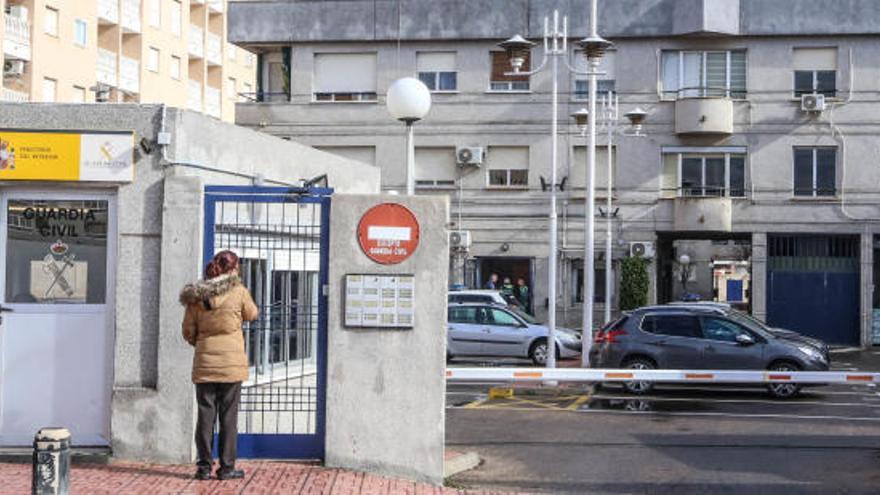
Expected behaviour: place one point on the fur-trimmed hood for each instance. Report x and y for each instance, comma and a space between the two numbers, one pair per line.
207, 289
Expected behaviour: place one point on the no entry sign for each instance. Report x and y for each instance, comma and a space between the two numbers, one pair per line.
388, 233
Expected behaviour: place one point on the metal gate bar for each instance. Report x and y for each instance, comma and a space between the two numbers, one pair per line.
282, 237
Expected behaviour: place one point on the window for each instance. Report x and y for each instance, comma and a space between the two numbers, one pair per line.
722, 330
80, 32
50, 22
503, 318
247, 90
500, 80
49, 86
155, 13
345, 77
508, 167
703, 173
176, 18
231, 91
815, 171
577, 281
703, 74
815, 71
577, 168
605, 82
467, 314
175, 67
672, 325
435, 167
437, 70
79, 94
153, 59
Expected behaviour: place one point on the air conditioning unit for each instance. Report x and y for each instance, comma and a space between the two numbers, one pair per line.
460, 239
469, 155
641, 249
813, 103
19, 12
13, 68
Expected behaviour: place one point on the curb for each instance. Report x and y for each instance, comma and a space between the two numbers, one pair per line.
460, 463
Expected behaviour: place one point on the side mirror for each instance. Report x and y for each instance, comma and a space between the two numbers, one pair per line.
743, 339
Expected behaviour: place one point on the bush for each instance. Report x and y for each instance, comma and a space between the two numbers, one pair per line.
634, 283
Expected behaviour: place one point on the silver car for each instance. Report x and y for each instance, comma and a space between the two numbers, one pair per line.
495, 331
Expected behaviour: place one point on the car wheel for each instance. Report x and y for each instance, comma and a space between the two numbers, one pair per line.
784, 390
538, 353
638, 388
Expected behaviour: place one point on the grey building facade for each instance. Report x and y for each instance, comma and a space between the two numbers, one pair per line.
774, 195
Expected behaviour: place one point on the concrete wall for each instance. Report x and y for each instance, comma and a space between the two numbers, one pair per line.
385, 392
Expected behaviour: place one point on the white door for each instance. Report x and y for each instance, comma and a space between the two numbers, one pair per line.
57, 259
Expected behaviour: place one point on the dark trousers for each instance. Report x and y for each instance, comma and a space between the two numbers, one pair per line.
217, 399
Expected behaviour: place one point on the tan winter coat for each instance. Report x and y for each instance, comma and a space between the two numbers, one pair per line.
216, 333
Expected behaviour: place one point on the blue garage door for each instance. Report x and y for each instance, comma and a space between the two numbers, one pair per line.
813, 286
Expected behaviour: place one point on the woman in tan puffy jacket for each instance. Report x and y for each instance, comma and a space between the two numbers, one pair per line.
215, 310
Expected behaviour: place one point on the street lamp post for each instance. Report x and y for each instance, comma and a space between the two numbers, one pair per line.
409, 100
685, 274
555, 46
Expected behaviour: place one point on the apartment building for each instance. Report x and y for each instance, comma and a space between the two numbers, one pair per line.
134, 51
759, 157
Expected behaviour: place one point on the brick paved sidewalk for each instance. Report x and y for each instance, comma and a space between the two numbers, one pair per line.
262, 477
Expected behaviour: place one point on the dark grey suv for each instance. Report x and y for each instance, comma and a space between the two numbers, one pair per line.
703, 337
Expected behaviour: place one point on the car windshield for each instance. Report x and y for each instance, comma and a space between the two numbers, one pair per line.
525, 316
749, 321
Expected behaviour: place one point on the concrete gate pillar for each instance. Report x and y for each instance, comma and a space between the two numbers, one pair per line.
759, 275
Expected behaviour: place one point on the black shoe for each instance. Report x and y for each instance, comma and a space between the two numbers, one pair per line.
230, 474
202, 474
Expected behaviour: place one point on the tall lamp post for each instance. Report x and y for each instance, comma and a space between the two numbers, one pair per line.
409, 100
556, 46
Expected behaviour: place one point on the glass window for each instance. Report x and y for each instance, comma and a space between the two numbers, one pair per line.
175, 67
153, 60
503, 318
49, 89
467, 314
703, 73
501, 78
723, 330
56, 251
720, 174
176, 18
50, 21
823, 82
156, 13
737, 176
79, 94
673, 325
80, 32
815, 171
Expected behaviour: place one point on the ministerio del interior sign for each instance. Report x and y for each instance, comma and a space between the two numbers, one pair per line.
66, 156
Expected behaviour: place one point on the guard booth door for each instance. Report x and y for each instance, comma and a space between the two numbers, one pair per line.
281, 235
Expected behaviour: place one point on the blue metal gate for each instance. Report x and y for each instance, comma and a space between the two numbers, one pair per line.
813, 286
282, 237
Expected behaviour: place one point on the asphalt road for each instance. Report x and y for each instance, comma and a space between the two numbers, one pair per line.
679, 440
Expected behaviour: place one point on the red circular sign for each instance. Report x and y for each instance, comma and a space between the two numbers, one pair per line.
388, 233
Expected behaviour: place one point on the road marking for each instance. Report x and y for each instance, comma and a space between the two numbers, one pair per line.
577, 402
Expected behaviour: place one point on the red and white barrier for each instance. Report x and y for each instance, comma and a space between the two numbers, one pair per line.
660, 376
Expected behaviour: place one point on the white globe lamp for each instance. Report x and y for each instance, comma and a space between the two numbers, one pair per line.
409, 100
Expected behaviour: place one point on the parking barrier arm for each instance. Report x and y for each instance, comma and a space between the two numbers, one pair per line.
659, 376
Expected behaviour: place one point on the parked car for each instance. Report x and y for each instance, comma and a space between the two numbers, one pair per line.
492, 330
484, 296
704, 336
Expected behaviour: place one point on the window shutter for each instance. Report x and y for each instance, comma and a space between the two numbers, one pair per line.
577, 168
815, 59
716, 73
501, 64
435, 61
738, 74
507, 158
436, 164
669, 176
345, 73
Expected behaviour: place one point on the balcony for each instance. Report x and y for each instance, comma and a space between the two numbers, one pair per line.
17, 42
106, 67
213, 49
212, 102
14, 96
215, 6
196, 41
704, 115
129, 75
131, 16
194, 96
108, 12
703, 214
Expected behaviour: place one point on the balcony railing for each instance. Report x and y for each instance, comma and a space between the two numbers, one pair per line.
129, 75
215, 5
131, 16
14, 96
17, 44
213, 50
196, 41
108, 11
212, 102
106, 67
194, 96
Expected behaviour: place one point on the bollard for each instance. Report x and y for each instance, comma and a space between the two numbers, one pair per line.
51, 463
